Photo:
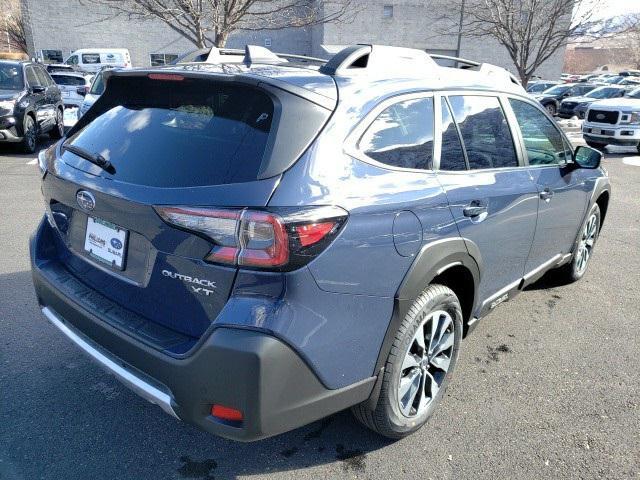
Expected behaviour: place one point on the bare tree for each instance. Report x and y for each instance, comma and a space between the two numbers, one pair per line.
530, 30
210, 22
12, 26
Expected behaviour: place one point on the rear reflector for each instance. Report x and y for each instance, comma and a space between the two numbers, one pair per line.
226, 413
282, 241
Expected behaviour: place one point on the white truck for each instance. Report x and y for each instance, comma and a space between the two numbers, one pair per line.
615, 121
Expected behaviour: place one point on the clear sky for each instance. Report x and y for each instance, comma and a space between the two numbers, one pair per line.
611, 8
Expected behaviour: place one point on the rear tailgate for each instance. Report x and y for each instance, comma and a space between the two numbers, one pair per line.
171, 143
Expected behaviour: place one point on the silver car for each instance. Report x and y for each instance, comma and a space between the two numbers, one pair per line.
73, 86
93, 93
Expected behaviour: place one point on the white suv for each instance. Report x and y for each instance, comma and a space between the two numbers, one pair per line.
615, 121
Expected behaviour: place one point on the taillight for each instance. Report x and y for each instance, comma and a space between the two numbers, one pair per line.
282, 239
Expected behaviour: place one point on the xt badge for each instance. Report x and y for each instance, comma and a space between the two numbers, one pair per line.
200, 286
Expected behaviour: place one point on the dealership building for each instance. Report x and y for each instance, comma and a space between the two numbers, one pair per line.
57, 27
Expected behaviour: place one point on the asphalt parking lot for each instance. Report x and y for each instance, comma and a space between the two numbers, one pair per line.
548, 386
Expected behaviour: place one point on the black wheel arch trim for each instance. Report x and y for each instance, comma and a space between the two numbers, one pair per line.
432, 260
601, 187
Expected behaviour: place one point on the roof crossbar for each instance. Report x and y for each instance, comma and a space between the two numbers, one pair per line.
257, 54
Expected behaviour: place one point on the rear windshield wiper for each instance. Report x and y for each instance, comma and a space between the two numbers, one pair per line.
94, 158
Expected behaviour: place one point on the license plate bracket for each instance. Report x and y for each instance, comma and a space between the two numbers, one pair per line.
106, 242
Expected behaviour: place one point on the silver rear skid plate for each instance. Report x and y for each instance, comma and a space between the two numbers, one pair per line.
113, 365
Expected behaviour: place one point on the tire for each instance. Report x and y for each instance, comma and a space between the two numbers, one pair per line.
551, 109
597, 146
589, 232
638, 148
29, 135
396, 415
58, 129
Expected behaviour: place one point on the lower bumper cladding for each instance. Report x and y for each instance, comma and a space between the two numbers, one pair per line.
267, 386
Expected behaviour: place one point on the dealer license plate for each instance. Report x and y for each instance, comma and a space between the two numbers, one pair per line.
106, 242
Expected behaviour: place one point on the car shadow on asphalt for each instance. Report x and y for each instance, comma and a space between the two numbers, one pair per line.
64, 417
14, 149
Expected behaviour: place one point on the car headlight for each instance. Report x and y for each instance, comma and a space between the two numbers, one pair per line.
7, 105
630, 118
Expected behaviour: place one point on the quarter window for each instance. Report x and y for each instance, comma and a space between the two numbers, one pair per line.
452, 155
485, 132
402, 135
542, 140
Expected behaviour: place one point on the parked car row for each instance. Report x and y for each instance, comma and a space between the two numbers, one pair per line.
615, 121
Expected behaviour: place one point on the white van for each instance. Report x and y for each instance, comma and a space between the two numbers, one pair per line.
93, 59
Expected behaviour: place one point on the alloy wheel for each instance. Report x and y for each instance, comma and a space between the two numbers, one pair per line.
588, 240
60, 123
30, 133
426, 363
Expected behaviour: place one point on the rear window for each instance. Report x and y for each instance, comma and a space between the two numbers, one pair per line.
180, 134
68, 80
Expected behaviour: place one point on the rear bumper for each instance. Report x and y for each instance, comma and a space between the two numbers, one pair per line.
244, 369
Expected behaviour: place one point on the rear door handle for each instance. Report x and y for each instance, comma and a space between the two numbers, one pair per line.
474, 210
546, 194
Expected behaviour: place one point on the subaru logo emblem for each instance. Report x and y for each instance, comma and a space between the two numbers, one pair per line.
115, 243
600, 116
86, 200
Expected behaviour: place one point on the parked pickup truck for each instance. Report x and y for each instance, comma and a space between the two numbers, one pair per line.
615, 121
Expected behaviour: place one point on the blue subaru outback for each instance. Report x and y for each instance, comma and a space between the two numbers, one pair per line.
256, 241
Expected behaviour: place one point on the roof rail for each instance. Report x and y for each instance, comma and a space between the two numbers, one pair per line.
368, 58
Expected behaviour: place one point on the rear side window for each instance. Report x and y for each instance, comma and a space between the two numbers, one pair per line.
402, 135
90, 58
451, 155
180, 134
485, 132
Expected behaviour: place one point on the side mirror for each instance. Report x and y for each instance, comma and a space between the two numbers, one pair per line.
587, 157
81, 91
37, 89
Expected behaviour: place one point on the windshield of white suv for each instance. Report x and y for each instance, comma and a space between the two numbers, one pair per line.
603, 92
11, 77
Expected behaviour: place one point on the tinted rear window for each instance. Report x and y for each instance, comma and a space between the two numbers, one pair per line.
180, 134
